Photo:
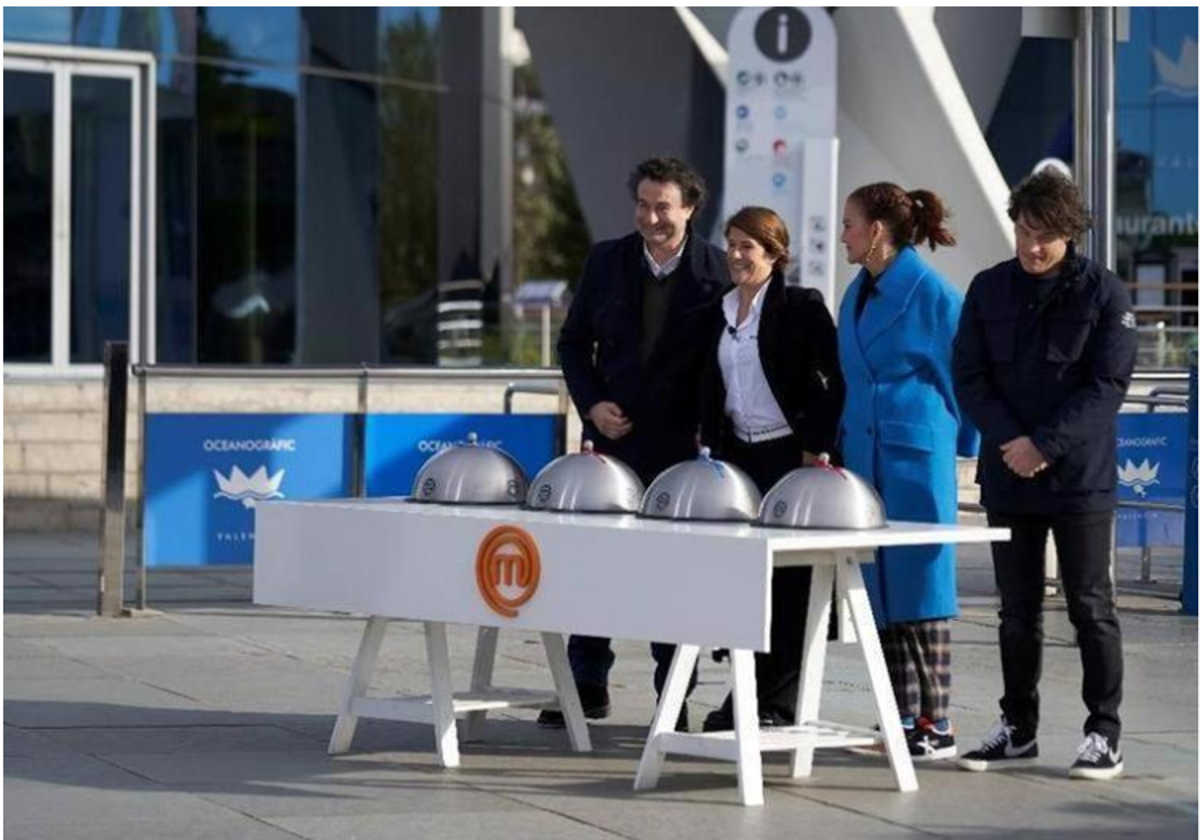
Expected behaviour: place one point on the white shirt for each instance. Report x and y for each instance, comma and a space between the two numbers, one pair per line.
668, 265
748, 399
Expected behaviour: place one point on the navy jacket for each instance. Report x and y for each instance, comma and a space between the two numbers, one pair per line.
797, 345
599, 348
1055, 368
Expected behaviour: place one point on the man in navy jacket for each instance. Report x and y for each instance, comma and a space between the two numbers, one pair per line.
1043, 358
631, 350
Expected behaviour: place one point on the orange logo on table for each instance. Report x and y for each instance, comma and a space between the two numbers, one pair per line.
508, 557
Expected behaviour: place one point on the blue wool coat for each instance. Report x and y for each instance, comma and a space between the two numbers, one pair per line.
901, 427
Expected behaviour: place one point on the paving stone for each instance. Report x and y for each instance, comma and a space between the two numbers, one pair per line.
211, 720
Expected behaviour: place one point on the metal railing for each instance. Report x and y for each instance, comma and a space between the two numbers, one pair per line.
110, 598
1163, 396
540, 381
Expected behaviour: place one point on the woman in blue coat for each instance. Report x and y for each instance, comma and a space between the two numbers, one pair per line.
901, 430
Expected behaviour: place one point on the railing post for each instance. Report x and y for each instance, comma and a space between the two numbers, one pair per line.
1189, 499
111, 591
358, 443
140, 531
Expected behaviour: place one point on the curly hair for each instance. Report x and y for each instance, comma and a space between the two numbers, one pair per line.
669, 170
1051, 201
910, 217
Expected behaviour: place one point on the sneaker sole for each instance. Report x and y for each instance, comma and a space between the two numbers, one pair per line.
877, 750
561, 722
1096, 774
937, 755
978, 765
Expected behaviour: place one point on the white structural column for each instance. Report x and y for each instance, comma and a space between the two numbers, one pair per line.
894, 70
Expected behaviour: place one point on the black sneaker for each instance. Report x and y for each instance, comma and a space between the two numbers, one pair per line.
721, 719
1098, 759
928, 743
593, 698
1004, 746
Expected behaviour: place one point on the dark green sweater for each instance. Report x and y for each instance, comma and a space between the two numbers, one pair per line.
656, 300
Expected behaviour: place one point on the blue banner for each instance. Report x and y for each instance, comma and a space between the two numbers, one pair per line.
206, 472
1151, 461
1189, 544
398, 444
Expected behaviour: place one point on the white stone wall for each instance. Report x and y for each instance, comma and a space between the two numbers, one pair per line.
53, 430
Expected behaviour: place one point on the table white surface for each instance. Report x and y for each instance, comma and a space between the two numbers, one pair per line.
605, 575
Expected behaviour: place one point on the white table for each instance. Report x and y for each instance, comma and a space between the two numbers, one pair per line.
612, 576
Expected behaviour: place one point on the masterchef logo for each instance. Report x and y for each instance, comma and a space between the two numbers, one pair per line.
507, 569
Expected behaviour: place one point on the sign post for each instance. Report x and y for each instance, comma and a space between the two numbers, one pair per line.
781, 130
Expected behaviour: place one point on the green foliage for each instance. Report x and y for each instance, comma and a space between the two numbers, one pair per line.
550, 237
409, 161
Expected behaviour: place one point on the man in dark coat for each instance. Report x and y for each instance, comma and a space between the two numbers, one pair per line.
1043, 358
631, 350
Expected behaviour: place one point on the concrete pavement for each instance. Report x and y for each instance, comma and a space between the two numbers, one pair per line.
210, 719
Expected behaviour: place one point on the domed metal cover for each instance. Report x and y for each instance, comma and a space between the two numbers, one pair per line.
586, 482
703, 489
823, 496
471, 474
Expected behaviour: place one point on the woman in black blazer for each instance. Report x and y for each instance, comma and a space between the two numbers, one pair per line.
771, 397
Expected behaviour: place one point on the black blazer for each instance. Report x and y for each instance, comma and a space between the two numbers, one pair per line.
600, 350
797, 344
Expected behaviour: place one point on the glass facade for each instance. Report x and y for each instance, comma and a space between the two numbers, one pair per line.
101, 205
1156, 185
1157, 178
297, 208
318, 184
28, 186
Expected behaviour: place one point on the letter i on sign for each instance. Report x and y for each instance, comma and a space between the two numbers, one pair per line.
781, 35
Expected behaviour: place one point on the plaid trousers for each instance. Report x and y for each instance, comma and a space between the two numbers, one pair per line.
918, 660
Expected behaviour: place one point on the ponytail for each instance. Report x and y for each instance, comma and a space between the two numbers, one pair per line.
911, 218
929, 216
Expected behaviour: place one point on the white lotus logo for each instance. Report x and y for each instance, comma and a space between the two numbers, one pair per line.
248, 490
1177, 76
1138, 476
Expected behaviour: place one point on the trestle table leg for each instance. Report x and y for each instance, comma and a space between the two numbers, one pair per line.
445, 730
481, 677
881, 684
666, 715
568, 694
357, 685
745, 728
812, 669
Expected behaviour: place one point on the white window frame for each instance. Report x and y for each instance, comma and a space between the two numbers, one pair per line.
63, 64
